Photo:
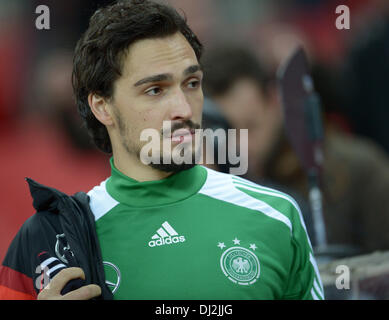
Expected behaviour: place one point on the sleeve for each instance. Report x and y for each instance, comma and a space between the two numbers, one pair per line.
304, 278
16, 272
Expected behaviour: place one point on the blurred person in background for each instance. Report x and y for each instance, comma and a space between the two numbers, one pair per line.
356, 172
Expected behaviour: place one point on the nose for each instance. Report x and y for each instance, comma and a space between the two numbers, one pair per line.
180, 106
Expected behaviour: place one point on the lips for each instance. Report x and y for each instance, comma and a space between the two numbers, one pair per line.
182, 135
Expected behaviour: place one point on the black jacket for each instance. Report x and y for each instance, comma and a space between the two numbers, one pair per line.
63, 226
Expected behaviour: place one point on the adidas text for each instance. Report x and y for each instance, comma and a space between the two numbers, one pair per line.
166, 240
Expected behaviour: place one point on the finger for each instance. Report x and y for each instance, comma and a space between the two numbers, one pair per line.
63, 277
84, 293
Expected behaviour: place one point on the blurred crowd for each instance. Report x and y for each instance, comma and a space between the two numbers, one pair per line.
42, 137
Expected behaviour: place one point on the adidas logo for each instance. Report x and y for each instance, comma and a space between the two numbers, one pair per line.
165, 235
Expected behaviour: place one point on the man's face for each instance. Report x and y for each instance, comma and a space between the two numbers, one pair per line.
246, 107
243, 104
161, 81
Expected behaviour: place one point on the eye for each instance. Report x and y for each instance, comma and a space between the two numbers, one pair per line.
193, 84
154, 91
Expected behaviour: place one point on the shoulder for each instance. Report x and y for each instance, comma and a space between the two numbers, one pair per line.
37, 225
224, 183
32, 236
355, 149
100, 201
234, 189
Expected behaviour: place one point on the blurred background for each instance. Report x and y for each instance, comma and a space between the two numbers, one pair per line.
41, 135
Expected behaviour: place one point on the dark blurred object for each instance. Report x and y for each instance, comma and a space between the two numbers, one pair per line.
366, 78
303, 125
302, 111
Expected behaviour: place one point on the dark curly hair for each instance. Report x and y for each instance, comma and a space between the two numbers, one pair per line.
100, 52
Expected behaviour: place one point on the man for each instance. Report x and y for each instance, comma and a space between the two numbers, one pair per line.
159, 230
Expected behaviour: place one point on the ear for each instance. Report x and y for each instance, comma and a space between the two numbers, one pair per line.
100, 108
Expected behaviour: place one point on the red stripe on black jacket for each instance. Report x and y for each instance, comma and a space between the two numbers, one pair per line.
15, 285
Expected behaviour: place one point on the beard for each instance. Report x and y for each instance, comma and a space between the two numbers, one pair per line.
173, 167
134, 148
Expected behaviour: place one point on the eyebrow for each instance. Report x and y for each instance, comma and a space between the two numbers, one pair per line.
167, 76
192, 69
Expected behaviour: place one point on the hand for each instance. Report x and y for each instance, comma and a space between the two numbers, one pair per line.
53, 290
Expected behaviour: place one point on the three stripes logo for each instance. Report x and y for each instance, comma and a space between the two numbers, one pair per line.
165, 235
48, 268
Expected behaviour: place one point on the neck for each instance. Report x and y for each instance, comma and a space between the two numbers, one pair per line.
131, 166
176, 187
